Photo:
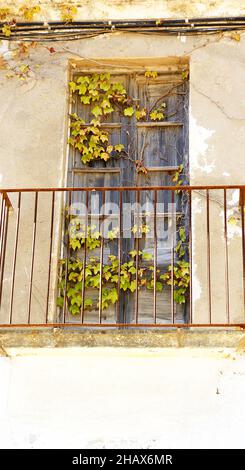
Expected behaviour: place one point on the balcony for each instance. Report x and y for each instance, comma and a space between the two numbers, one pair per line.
122, 257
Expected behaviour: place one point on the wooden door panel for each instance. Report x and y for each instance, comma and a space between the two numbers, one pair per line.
158, 145
161, 147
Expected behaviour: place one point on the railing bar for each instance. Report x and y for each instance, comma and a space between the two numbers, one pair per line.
84, 259
124, 188
2, 212
127, 325
67, 256
226, 260
155, 260
137, 259
32, 255
3, 215
119, 258
65, 289
243, 246
15, 258
101, 259
4, 221
3, 247
50, 251
7, 200
208, 258
190, 255
172, 255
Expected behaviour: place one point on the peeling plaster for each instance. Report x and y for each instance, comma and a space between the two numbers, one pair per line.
199, 146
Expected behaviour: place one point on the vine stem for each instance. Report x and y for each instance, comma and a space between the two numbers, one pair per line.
163, 96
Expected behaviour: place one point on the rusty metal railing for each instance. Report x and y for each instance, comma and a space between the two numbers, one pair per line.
131, 257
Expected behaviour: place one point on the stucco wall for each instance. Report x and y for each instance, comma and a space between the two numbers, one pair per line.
33, 131
131, 9
122, 398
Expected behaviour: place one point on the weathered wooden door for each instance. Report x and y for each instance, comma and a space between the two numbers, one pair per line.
155, 149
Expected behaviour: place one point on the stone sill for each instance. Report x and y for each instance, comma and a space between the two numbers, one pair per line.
69, 337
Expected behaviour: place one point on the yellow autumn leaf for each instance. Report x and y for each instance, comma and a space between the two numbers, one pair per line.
4, 12
6, 30
3, 63
119, 147
29, 12
140, 113
109, 148
236, 36
128, 111
151, 74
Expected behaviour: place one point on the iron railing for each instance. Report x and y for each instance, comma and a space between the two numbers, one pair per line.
167, 256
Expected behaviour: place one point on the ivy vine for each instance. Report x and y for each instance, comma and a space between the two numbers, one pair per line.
104, 97
73, 272
92, 141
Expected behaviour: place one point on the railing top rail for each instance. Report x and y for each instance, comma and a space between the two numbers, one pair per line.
125, 188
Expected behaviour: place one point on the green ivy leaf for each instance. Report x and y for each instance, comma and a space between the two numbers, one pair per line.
156, 115
74, 309
182, 234
128, 111
133, 285
60, 301
113, 295
147, 256
88, 303
185, 74
73, 86
97, 111
85, 99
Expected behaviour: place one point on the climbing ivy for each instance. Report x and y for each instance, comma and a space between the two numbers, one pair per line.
91, 141
104, 97
73, 271
27, 12
9, 15
98, 90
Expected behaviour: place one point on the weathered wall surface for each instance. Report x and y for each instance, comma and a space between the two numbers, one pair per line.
188, 398
33, 129
131, 9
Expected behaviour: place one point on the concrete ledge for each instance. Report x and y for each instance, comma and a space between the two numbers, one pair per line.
176, 338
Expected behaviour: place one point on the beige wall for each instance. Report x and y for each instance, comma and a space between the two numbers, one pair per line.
33, 129
69, 398
131, 9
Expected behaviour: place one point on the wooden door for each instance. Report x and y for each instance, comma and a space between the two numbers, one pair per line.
155, 149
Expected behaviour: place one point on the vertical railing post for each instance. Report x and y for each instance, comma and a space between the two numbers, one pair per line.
67, 253
2, 225
190, 256
242, 206
119, 259
5, 206
137, 260
84, 257
172, 255
101, 257
34, 232
208, 256
227, 296
50, 251
14, 259
155, 259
